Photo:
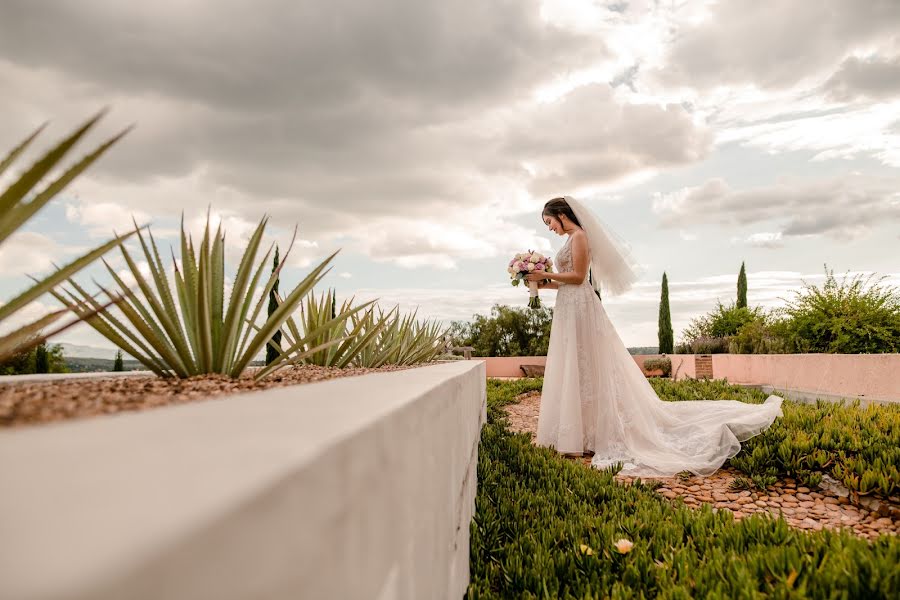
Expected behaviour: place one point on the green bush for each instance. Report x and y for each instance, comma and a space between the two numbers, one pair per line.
722, 322
855, 315
545, 527
25, 362
757, 337
663, 363
859, 447
508, 331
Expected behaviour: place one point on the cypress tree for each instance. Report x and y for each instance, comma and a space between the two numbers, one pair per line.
666, 335
742, 288
272, 353
118, 363
41, 359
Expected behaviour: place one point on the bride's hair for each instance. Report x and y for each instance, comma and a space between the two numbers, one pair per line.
559, 206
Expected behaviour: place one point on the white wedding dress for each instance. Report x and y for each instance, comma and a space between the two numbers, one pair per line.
596, 399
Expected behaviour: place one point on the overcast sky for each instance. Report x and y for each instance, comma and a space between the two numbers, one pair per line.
422, 137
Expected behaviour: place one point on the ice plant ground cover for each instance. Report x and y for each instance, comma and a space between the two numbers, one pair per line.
548, 527
529, 262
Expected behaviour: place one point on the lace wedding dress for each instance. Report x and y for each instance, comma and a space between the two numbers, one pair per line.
596, 399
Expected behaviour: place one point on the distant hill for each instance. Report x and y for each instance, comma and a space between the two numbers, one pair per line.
644, 350
77, 351
99, 365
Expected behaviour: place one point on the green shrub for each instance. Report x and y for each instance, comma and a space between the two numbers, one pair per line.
663, 363
855, 315
508, 331
545, 527
25, 362
757, 337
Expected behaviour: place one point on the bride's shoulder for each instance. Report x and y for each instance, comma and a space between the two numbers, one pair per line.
578, 235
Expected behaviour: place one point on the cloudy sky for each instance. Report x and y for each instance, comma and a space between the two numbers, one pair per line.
422, 137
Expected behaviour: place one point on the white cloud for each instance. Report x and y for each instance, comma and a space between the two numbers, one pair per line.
842, 207
103, 219
31, 253
766, 239
778, 43
870, 77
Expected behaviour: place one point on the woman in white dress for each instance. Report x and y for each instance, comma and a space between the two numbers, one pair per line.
596, 400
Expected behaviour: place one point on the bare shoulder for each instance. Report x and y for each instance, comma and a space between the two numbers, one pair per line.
579, 237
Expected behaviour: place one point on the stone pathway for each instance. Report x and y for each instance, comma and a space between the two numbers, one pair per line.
800, 506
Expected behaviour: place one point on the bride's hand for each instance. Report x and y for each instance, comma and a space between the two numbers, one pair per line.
536, 276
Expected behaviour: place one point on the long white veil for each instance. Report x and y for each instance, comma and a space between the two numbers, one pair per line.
611, 261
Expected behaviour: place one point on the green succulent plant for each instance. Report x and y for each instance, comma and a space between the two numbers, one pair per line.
18, 204
194, 331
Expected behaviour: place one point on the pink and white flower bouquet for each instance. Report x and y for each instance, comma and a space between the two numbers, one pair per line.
525, 263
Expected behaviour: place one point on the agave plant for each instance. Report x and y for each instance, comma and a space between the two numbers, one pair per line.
364, 339
353, 335
19, 203
199, 333
403, 340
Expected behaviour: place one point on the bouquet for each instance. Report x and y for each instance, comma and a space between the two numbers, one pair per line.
525, 263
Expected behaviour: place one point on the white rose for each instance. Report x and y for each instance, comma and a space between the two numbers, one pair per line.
531, 266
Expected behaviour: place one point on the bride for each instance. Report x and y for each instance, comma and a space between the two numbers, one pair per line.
596, 400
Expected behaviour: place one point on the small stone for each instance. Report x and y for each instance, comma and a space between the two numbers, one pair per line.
790, 491
744, 500
760, 503
705, 498
842, 500
694, 488
803, 490
733, 496
833, 500
801, 496
744, 494
807, 504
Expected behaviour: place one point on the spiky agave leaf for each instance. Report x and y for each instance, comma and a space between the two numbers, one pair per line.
194, 331
19, 203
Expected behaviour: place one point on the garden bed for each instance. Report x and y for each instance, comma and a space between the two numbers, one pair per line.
32, 402
800, 506
546, 526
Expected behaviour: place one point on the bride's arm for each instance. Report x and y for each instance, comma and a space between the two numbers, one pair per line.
580, 259
548, 286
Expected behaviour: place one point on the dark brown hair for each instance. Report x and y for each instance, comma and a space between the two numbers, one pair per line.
559, 206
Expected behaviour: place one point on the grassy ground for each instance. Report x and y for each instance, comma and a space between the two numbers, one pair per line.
547, 528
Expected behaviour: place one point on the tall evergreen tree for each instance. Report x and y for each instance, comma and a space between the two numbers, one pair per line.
666, 335
742, 288
41, 359
272, 353
119, 363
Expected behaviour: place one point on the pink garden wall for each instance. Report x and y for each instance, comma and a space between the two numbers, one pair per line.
868, 376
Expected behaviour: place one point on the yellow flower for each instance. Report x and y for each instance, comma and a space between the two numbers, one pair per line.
624, 546
585, 549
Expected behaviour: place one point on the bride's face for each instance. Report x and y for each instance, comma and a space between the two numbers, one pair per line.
554, 225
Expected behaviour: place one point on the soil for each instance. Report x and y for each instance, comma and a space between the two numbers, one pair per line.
799, 506
33, 403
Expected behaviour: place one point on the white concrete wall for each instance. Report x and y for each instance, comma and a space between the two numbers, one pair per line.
351, 488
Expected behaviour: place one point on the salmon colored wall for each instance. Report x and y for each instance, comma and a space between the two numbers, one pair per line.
874, 376
508, 366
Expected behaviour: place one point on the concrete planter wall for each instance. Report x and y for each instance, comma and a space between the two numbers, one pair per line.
353, 488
